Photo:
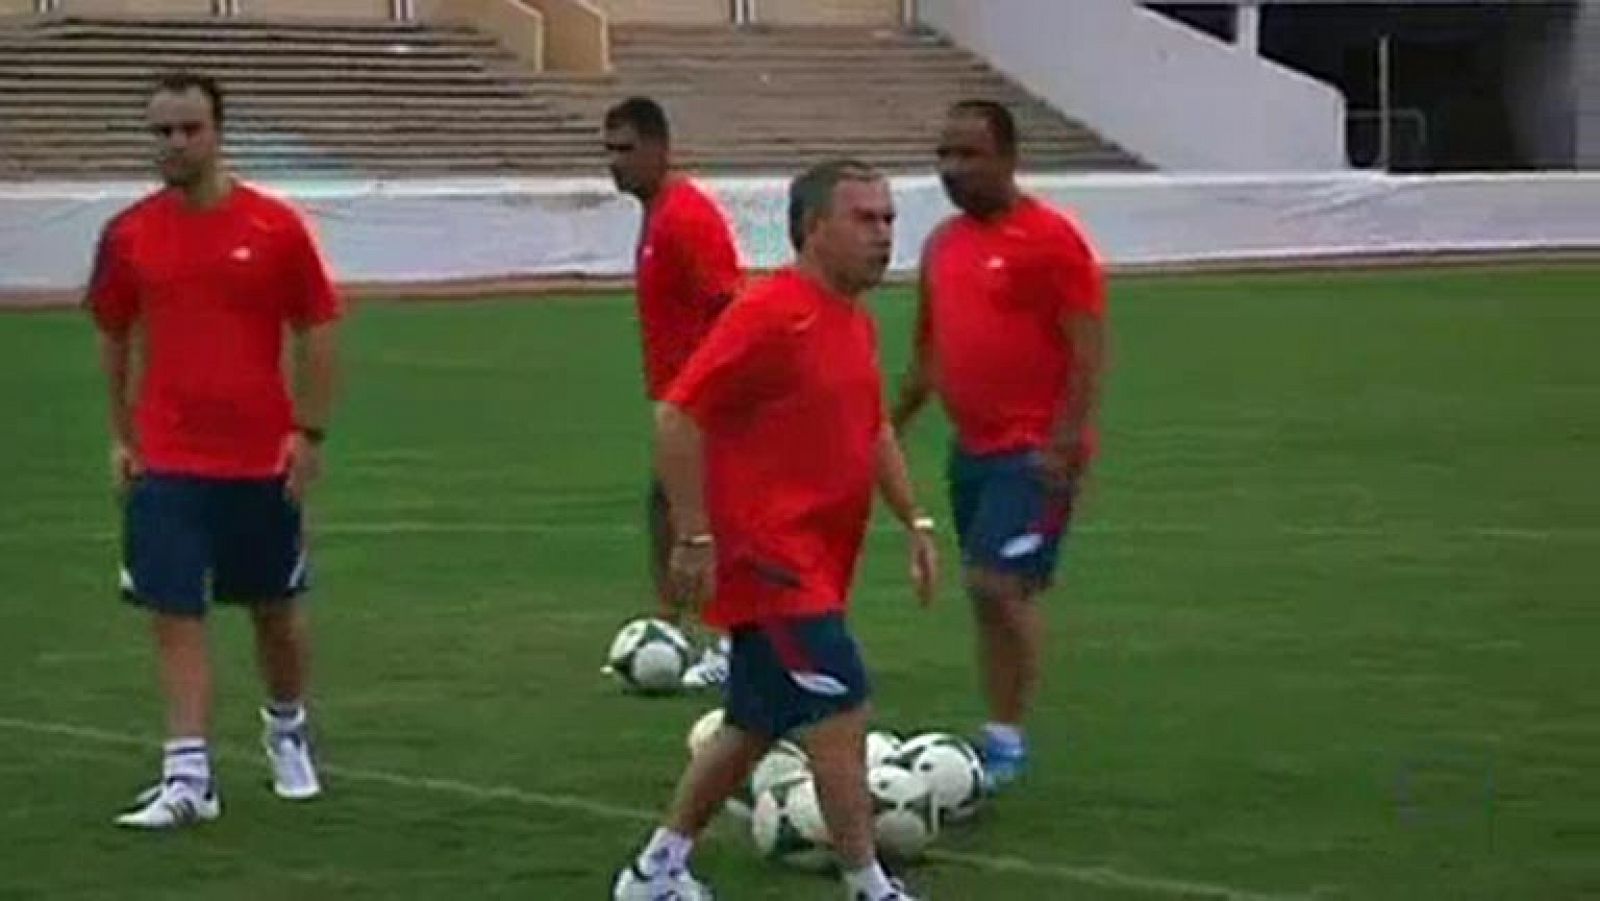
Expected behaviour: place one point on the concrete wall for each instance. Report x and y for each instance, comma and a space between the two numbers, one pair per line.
518, 28
315, 9
136, 7
1175, 97
683, 12
577, 36
828, 12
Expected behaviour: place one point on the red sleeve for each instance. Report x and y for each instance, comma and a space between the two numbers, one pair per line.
113, 296
312, 299
740, 363
1076, 276
702, 246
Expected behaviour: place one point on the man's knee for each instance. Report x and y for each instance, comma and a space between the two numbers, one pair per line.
998, 598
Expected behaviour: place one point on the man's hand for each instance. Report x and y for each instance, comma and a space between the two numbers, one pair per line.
691, 570
1063, 462
304, 466
924, 561
125, 466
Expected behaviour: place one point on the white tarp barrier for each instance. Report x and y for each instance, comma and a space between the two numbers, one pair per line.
441, 231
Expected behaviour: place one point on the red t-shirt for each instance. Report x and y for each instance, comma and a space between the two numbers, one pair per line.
687, 271
995, 297
788, 394
210, 293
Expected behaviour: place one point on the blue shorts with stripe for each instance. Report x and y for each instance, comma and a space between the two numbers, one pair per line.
787, 674
188, 540
1008, 518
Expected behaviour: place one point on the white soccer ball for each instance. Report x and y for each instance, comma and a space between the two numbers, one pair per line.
649, 655
784, 760
905, 819
787, 824
704, 729
882, 747
952, 769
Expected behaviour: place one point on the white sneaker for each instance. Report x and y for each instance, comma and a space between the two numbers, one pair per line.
294, 775
897, 892
172, 804
676, 885
710, 672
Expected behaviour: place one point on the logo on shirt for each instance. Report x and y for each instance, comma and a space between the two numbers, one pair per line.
242, 254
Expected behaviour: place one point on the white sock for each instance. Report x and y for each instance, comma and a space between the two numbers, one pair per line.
186, 760
287, 716
1004, 734
667, 851
870, 883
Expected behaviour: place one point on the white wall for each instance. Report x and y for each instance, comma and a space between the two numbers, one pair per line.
1171, 95
432, 232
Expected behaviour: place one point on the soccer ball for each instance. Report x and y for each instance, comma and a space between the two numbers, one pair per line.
904, 817
952, 770
882, 747
786, 759
787, 824
704, 729
649, 655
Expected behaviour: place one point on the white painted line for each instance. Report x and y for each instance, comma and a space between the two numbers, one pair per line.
1099, 877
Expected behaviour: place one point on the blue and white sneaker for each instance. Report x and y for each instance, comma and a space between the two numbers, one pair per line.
288, 747
673, 885
897, 892
712, 670
173, 804
1003, 762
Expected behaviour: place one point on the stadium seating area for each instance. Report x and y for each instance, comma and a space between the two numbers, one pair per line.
387, 98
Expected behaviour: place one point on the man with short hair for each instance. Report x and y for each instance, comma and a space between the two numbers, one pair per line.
1011, 335
213, 458
686, 272
769, 445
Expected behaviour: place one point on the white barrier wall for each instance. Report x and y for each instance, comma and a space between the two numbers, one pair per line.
1171, 95
442, 231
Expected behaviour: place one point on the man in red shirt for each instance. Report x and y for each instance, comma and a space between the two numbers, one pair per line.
686, 272
213, 458
1010, 334
770, 444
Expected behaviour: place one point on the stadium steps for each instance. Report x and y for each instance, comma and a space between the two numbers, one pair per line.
383, 99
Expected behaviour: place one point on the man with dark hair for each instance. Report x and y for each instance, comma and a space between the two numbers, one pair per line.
769, 445
686, 271
1001, 124
1011, 335
211, 456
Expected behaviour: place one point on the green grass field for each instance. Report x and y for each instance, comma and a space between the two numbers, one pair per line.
1328, 625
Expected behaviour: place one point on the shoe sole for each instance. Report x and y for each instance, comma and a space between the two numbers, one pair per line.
304, 794
126, 821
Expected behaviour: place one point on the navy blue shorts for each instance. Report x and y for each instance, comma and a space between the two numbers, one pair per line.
1008, 518
188, 540
788, 674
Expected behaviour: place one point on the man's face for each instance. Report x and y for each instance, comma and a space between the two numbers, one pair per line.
637, 164
975, 173
187, 140
853, 241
